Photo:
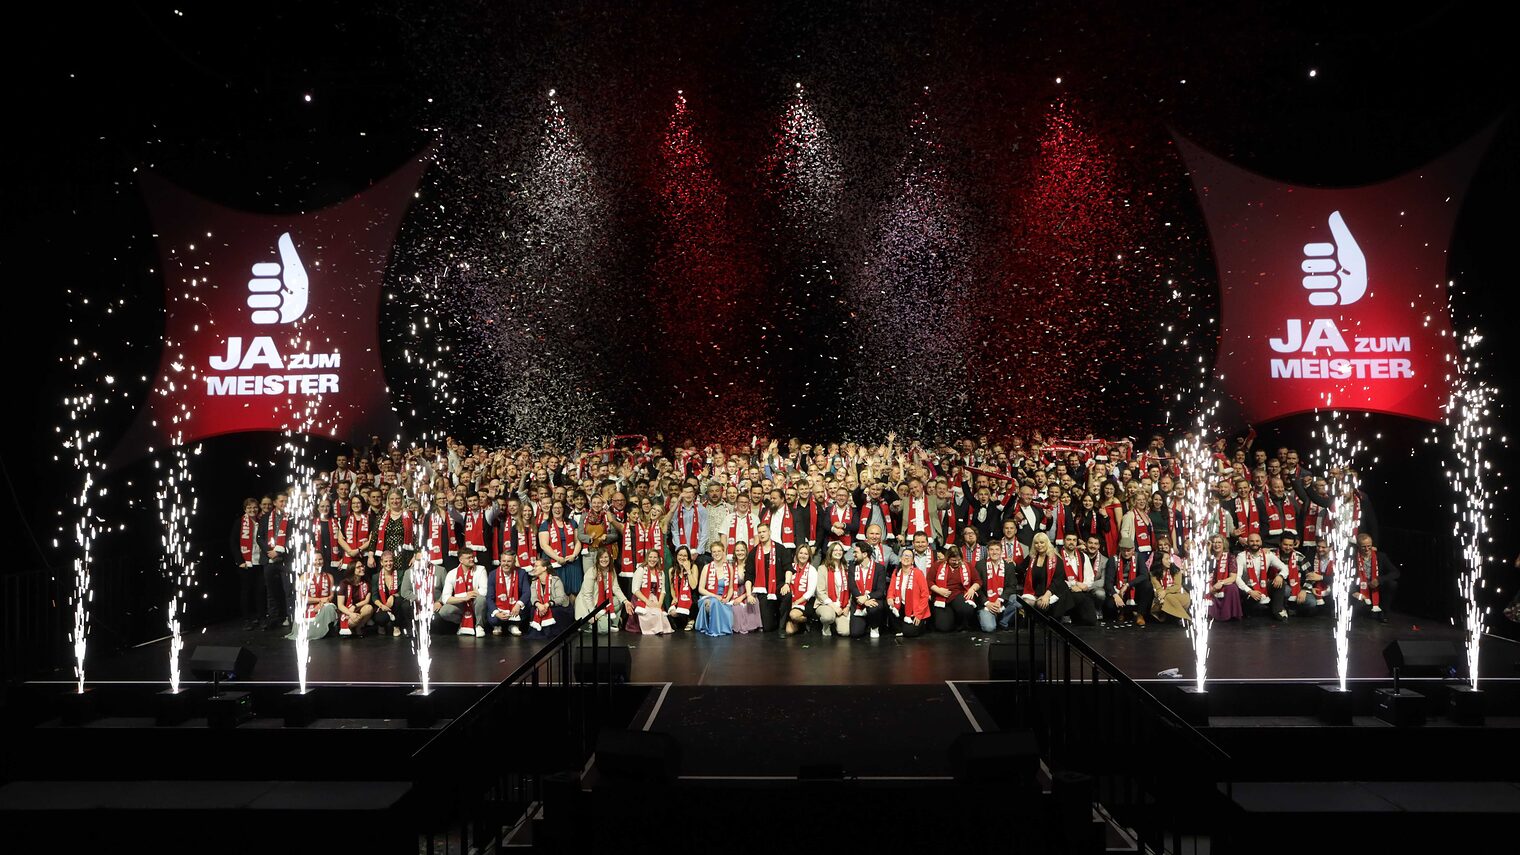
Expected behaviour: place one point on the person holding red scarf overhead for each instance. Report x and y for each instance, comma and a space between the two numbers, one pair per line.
908, 599
506, 596
250, 575
954, 586
649, 594
548, 606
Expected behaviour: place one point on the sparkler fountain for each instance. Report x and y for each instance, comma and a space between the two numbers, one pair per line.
1466, 417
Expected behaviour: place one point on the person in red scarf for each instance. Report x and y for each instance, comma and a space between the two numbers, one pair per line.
1377, 578
1039, 573
1262, 578
869, 579
355, 603
1079, 585
1223, 576
842, 519
1129, 587
548, 606
954, 585
812, 516
766, 573
320, 615
650, 591
600, 585
908, 598
393, 612
995, 601
507, 596
1306, 586
1168, 572
797, 599
245, 545
1280, 512
685, 581
274, 535
463, 601
559, 543
832, 600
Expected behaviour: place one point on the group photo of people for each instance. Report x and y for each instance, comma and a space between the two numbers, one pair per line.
839, 539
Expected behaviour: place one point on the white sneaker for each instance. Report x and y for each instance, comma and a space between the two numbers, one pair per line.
1376, 609
395, 631
515, 630
463, 631
496, 630
875, 633
285, 622
480, 632
828, 631
616, 628
345, 631
1283, 614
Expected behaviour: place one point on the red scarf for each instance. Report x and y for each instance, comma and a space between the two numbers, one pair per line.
604, 592
245, 538
1256, 576
948, 525
1366, 572
1295, 579
356, 532
788, 532
1127, 569
863, 519
686, 537
814, 520
638, 540
524, 545
355, 594
389, 589
918, 516
733, 527
506, 589
997, 575
971, 555
1280, 517
1166, 571
800, 584
765, 571
475, 530
335, 554
908, 598
463, 583
321, 586
865, 578
1221, 572
839, 586
279, 527
1316, 519
543, 594
435, 546
653, 587
560, 538
1252, 520
680, 590
1013, 550
719, 572
1072, 562
841, 517
1111, 537
1050, 573
1143, 535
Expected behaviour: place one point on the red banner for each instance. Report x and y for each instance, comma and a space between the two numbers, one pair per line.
1334, 297
271, 321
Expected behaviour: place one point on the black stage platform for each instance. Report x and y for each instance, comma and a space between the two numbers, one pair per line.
1299, 649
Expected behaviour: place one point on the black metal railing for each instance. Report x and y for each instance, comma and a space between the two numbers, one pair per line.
483, 772
1153, 771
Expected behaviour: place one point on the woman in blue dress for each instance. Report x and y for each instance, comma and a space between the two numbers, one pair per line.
714, 614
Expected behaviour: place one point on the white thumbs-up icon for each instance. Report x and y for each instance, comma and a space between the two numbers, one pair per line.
277, 291
1335, 272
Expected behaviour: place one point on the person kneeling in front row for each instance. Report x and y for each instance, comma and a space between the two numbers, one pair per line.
463, 602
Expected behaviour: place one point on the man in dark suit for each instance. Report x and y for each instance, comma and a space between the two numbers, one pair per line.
1129, 587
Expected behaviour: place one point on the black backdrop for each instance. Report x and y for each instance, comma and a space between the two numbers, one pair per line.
213, 99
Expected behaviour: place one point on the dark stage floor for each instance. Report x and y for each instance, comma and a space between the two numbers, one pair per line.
1298, 649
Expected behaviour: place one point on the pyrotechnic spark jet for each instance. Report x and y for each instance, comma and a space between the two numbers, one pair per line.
176, 509
1200, 511
1467, 418
1335, 456
304, 550
422, 576
86, 461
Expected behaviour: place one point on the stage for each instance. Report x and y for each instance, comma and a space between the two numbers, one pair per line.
1295, 650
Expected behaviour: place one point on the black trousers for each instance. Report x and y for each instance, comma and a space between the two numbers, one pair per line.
678, 622
626, 583
276, 592
1144, 596
250, 583
770, 612
909, 630
1270, 606
1082, 606
399, 615
862, 622
957, 614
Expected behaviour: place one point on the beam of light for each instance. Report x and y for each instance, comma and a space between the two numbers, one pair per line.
1200, 512
1335, 454
1467, 418
914, 283
81, 442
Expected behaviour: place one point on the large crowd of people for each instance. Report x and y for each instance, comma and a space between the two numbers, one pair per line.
842, 539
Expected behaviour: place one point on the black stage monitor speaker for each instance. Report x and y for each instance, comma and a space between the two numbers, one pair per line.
1420, 658
629, 756
1013, 661
223, 661
614, 664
